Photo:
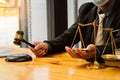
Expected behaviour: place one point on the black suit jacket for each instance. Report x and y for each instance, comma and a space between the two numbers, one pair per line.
87, 14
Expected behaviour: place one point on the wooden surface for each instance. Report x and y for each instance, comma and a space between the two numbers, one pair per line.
55, 67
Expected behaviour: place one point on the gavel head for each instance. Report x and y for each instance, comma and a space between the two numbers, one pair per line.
18, 37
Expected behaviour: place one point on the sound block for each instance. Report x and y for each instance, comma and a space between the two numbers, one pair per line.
18, 57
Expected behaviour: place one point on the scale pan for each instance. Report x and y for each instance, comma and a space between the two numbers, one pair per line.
111, 60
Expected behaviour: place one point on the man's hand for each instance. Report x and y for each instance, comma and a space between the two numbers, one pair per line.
40, 48
86, 53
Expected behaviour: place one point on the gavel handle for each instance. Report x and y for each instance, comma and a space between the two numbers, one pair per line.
28, 43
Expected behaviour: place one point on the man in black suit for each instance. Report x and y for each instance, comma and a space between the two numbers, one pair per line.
88, 13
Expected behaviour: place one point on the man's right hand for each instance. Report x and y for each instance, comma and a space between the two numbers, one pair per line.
40, 48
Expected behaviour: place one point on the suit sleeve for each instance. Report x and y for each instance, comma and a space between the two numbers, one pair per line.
66, 39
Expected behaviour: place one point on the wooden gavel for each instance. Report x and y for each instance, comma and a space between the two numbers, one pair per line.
19, 38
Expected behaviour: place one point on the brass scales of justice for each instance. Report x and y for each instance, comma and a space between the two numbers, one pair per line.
95, 64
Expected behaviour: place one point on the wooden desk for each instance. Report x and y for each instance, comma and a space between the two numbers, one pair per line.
56, 67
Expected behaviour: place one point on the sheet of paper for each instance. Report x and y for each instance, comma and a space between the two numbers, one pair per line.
4, 52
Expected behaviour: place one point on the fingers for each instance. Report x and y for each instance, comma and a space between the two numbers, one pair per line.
40, 48
71, 52
43, 46
40, 53
81, 53
35, 44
